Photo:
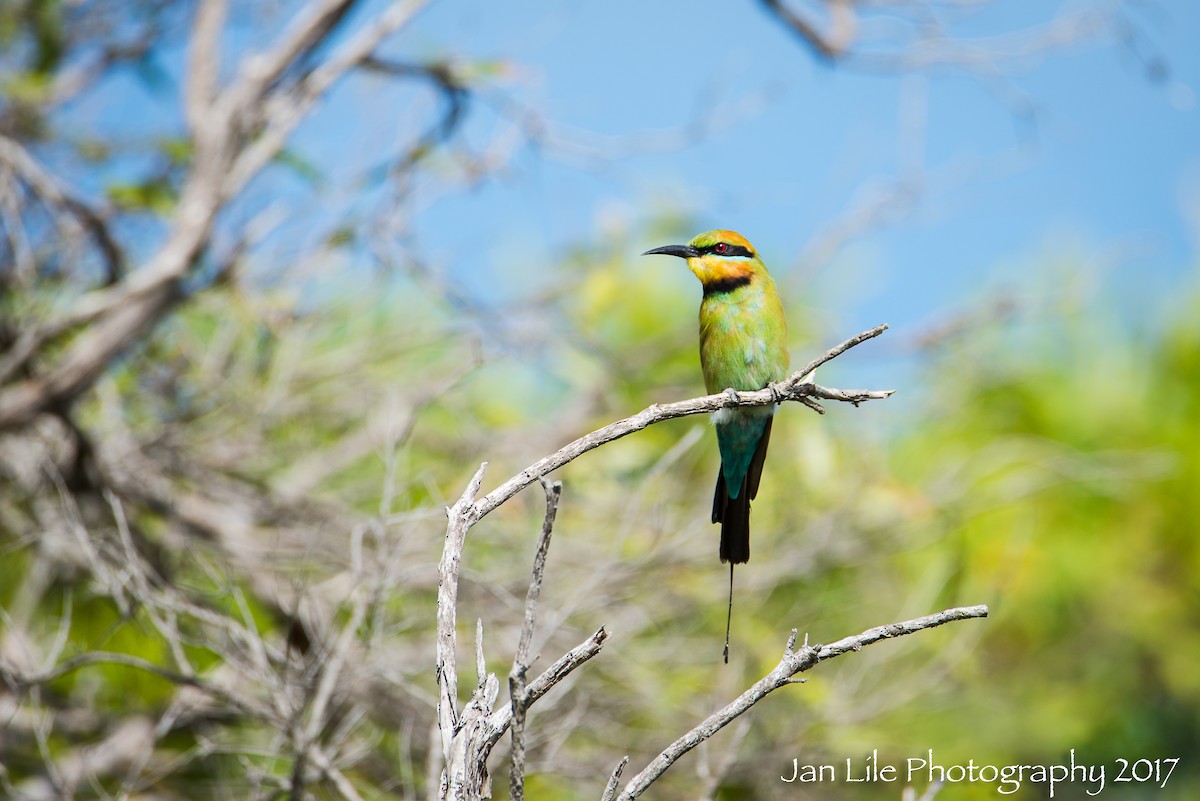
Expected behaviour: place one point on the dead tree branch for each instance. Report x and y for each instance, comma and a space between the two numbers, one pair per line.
794, 661
518, 693
237, 131
828, 46
460, 515
794, 388
467, 740
14, 158
610, 791
919, 37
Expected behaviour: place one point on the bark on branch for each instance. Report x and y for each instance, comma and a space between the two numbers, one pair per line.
518, 693
228, 153
795, 388
467, 738
794, 661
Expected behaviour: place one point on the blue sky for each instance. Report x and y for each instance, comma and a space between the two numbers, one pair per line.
1107, 176
1110, 171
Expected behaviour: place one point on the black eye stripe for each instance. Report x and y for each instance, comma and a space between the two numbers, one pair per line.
730, 250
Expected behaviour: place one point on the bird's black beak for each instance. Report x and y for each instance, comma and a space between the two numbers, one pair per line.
682, 251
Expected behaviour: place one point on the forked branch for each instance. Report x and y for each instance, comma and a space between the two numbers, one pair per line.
794, 661
467, 738
518, 692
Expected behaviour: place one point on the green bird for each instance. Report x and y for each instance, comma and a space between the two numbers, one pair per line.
743, 346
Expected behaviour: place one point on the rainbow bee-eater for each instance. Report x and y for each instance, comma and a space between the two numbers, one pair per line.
743, 346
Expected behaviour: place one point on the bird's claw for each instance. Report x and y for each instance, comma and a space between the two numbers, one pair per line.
776, 392
733, 395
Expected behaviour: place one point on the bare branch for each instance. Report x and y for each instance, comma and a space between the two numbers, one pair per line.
500, 720
448, 83
838, 350
924, 41
307, 31
467, 741
610, 792
336, 777
466, 776
794, 388
204, 62
19, 680
22, 164
516, 679
793, 662
462, 517
480, 661
332, 664
824, 45
284, 112
226, 159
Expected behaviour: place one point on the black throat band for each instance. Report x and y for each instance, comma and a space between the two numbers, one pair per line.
724, 286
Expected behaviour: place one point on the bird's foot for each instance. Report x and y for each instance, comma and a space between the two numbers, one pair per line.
733, 395
776, 392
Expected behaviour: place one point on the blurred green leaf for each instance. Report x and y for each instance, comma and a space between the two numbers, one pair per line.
156, 195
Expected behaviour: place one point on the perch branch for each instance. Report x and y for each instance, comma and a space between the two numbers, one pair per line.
468, 738
794, 388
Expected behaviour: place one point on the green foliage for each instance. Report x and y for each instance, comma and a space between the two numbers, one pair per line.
156, 195
301, 167
1061, 483
1048, 470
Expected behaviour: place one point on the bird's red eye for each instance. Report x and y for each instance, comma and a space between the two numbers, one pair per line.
720, 247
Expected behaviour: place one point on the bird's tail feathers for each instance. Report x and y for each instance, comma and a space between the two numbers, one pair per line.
734, 516
734, 513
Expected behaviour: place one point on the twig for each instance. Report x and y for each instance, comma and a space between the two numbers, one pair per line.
516, 679
336, 777
16, 158
453, 91
308, 29
285, 110
20, 681
461, 519
794, 661
922, 41
823, 45
335, 660
610, 792
226, 158
467, 740
204, 63
500, 720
